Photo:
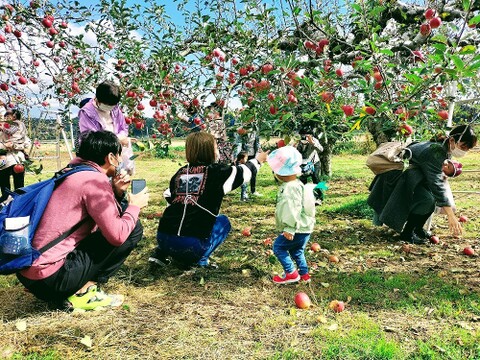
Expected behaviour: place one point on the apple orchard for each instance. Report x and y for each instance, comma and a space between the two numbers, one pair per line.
389, 67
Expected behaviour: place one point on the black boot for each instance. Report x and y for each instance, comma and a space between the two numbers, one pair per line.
408, 233
419, 230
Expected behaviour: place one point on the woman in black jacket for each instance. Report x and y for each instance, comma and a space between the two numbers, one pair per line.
405, 200
191, 227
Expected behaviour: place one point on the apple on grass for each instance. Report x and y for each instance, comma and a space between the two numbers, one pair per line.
434, 239
337, 306
468, 250
247, 231
302, 300
268, 241
315, 247
463, 219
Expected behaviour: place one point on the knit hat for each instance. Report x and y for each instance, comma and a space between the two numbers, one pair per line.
457, 167
285, 161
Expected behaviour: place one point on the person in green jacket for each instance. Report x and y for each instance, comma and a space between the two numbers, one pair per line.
294, 215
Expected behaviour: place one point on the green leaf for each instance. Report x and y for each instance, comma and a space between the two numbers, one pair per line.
387, 52
414, 79
357, 8
468, 49
440, 47
440, 38
475, 20
466, 5
474, 66
458, 62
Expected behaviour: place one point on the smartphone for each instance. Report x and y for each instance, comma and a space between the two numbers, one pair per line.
138, 185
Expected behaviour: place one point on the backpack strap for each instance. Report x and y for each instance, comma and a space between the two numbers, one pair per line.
62, 236
59, 177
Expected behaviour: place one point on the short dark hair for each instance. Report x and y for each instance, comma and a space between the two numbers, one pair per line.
108, 93
96, 145
464, 134
15, 113
241, 155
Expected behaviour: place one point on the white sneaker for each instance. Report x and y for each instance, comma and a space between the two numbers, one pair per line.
256, 193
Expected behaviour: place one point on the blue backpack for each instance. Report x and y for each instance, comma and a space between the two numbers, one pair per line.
20, 217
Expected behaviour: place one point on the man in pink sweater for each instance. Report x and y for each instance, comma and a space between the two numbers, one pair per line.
69, 271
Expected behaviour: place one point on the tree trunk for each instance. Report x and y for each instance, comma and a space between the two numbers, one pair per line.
326, 160
379, 134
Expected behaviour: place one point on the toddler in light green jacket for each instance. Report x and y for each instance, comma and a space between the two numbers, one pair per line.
294, 215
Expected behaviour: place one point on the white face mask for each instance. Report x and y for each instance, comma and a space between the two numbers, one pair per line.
105, 108
458, 153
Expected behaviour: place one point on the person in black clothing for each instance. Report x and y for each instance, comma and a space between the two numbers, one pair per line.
191, 227
404, 200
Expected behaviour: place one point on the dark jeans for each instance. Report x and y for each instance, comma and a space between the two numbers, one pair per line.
95, 259
253, 180
189, 250
18, 181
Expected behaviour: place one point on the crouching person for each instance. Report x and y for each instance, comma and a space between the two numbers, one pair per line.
68, 274
191, 227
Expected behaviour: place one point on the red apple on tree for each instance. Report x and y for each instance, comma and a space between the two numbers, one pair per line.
267, 68
280, 143
430, 13
327, 97
435, 22
348, 110
339, 72
18, 168
443, 114
241, 131
302, 300
406, 129
370, 110
425, 29
47, 22
268, 241
4, 86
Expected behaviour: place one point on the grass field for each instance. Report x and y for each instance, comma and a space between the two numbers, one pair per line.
403, 301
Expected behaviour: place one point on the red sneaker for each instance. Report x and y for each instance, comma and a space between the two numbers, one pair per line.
287, 278
305, 277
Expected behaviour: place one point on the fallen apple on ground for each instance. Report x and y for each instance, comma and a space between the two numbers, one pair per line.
247, 231
302, 301
468, 251
337, 306
434, 239
268, 241
463, 219
315, 247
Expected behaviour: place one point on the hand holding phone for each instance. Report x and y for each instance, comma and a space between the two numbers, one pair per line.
138, 185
